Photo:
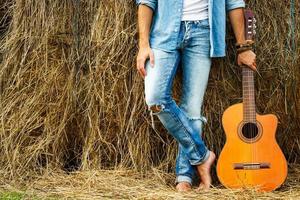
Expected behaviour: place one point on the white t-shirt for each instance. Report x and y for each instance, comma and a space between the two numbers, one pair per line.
194, 10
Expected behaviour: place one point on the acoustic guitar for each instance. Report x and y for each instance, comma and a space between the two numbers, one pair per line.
251, 157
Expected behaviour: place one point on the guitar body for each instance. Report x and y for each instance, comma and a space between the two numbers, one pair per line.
250, 159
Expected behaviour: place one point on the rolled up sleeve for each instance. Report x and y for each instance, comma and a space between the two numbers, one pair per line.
150, 3
233, 4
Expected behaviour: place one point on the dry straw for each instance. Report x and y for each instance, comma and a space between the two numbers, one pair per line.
125, 184
71, 97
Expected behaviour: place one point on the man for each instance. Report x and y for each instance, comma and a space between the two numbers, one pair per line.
190, 33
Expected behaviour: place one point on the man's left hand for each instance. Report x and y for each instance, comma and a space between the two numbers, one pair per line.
247, 58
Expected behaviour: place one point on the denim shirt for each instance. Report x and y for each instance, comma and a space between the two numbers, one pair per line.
167, 18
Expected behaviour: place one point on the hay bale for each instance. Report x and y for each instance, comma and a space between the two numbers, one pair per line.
4, 16
129, 184
71, 97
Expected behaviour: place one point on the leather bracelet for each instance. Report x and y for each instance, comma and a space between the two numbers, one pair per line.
248, 43
243, 49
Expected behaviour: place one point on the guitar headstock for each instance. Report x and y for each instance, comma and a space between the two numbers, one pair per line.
250, 24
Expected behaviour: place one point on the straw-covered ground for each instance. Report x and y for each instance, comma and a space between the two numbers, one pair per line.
72, 101
125, 184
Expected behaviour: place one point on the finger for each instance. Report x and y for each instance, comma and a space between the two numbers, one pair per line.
143, 72
141, 67
151, 58
253, 67
250, 65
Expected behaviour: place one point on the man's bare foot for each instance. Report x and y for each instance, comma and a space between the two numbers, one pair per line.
183, 187
204, 171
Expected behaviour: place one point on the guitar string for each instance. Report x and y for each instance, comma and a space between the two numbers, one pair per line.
251, 105
247, 114
250, 113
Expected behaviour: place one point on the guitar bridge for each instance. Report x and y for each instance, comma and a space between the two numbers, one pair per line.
251, 166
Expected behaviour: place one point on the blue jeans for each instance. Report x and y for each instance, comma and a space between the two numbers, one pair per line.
184, 121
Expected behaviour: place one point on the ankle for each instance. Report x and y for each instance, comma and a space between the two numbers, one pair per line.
183, 186
184, 183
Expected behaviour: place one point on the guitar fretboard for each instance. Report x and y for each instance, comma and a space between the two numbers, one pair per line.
249, 110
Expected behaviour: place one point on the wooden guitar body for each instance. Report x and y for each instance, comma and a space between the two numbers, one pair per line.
251, 157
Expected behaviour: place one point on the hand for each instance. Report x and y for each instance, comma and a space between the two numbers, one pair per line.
247, 58
144, 54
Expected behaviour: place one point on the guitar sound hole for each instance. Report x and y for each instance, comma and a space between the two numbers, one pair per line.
250, 130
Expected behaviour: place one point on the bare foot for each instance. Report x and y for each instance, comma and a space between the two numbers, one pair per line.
183, 187
204, 171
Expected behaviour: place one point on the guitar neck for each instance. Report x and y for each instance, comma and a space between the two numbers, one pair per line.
249, 110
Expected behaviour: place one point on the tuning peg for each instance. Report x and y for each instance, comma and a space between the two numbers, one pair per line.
254, 20
254, 32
